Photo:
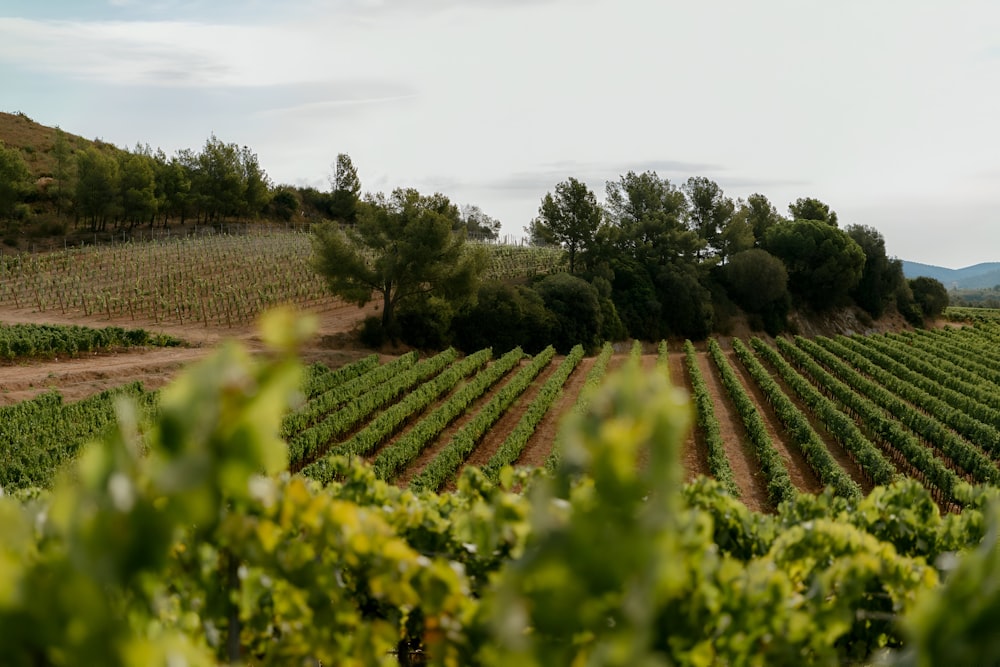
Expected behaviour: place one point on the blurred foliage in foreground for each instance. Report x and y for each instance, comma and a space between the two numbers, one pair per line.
182, 542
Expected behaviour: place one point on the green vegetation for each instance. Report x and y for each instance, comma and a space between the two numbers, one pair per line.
198, 551
402, 248
216, 280
27, 341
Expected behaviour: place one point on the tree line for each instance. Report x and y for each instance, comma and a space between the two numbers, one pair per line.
100, 187
655, 260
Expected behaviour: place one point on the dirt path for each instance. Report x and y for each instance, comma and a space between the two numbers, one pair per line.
694, 454
79, 377
746, 471
798, 468
539, 445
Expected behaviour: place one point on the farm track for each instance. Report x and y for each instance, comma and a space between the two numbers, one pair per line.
801, 474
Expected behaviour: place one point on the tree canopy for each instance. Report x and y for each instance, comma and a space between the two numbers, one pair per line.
401, 248
824, 263
570, 218
808, 208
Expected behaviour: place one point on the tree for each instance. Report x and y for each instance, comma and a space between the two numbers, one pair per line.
575, 303
737, 235
173, 185
15, 179
345, 191
648, 212
401, 249
137, 185
881, 276
808, 208
285, 203
824, 264
709, 210
256, 184
761, 216
755, 279
504, 317
97, 186
569, 218
929, 295
220, 180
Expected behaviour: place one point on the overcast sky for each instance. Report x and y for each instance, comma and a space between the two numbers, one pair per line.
887, 110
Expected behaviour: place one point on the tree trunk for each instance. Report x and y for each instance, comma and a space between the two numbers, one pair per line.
387, 311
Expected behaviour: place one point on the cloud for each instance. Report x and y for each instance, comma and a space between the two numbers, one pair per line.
166, 53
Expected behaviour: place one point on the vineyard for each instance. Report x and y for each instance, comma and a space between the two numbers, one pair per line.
167, 546
800, 414
873, 453
214, 281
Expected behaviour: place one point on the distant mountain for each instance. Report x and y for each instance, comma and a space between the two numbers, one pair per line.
978, 276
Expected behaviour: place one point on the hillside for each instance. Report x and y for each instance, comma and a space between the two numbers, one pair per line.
978, 276
36, 142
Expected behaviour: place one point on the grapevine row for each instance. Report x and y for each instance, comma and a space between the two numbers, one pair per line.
798, 427
898, 398
455, 452
393, 417
779, 484
946, 406
590, 385
868, 457
299, 421
511, 448
313, 442
708, 424
397, 455
928, 468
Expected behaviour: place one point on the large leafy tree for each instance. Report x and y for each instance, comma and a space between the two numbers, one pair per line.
401, 248
824, 263
569, 217
137, 184
648, 213
761, 216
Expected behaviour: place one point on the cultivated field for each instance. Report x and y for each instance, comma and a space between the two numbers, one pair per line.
773, 417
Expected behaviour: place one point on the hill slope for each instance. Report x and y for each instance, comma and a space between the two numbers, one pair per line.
978, 276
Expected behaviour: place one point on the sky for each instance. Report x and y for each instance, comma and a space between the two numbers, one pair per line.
886, 110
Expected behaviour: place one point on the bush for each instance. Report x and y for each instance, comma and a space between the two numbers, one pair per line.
504, 317
576, 306
425, 323
372, 334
